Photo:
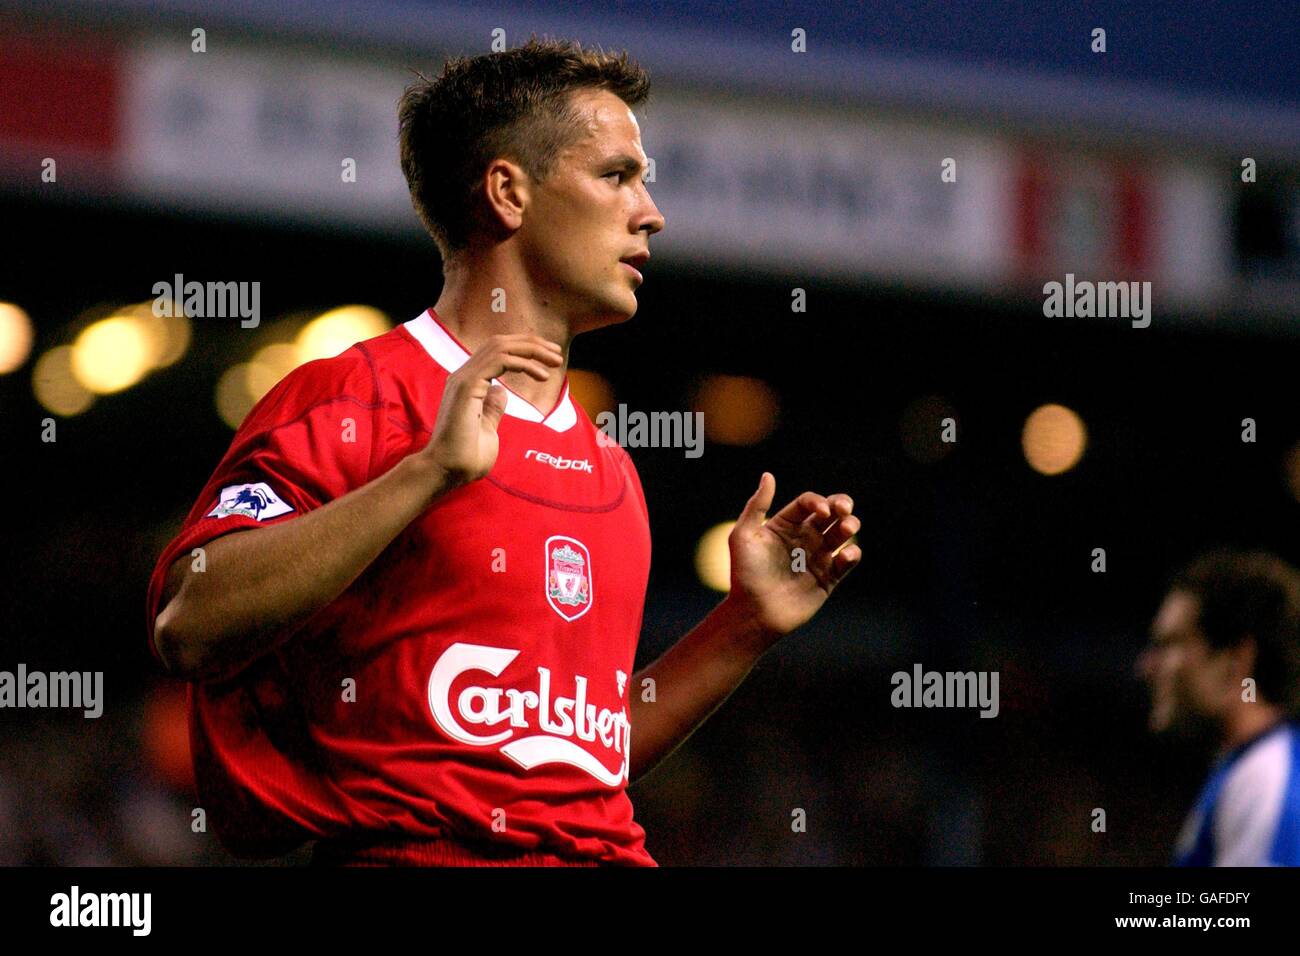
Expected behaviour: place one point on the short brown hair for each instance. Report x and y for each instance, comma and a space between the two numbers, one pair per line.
512, 104
1251, 594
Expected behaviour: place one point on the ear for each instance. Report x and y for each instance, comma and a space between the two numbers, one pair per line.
1244, 657
506, 191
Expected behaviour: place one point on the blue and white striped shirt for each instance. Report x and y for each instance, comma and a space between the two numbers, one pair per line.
1248, 812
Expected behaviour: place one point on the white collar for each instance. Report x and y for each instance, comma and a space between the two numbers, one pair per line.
451, 355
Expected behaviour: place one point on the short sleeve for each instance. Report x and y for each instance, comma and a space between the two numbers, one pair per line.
311, 439
633, 479
1249, 809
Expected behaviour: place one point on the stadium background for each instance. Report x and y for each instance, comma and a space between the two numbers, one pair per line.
775, 171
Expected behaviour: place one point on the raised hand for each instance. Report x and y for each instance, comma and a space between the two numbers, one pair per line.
464, 444
766, 575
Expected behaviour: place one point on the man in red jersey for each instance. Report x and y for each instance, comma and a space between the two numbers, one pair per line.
423, 654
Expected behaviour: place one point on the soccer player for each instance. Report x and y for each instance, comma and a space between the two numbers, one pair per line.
409, 597
1223, 664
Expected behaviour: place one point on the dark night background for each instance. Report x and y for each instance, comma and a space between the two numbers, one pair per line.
971, 561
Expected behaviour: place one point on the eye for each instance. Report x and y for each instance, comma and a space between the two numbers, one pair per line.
617, 174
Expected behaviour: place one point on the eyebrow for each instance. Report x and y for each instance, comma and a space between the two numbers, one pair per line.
625, 163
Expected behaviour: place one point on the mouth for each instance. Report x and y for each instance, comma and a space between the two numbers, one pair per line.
634, 263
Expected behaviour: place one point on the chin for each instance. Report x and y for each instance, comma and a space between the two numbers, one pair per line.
613, 313
1163, 717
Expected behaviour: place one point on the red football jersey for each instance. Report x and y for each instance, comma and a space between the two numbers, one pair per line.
474, 683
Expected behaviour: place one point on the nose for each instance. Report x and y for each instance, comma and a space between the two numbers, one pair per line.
1142, 667
649, 217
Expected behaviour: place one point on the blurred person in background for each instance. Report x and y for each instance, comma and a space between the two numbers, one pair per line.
1223, 666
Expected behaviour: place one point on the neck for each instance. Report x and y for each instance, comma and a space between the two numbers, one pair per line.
470, 291
1247, 721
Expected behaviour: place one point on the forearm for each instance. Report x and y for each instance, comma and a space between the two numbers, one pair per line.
258, 585
691, 680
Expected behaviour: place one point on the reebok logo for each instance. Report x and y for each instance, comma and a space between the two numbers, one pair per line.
559, 464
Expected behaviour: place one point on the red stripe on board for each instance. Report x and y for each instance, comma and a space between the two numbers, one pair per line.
1030, 198
1134, 240
60, 93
